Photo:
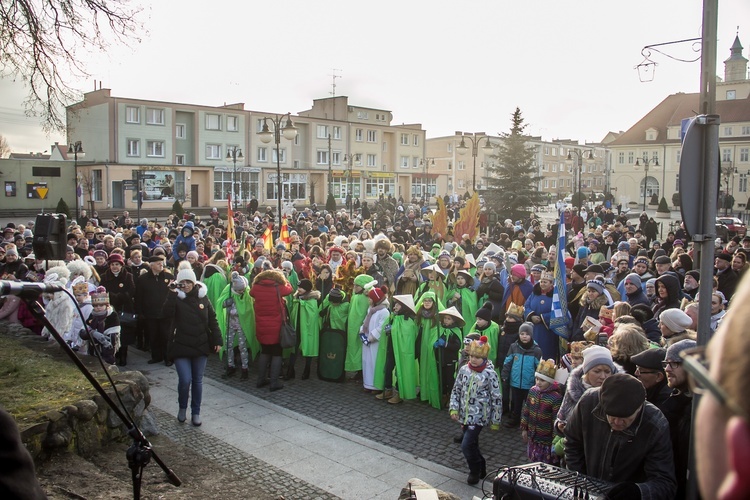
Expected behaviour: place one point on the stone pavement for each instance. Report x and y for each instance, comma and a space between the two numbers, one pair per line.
316, 439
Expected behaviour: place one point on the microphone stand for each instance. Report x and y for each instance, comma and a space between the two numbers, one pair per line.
139, 453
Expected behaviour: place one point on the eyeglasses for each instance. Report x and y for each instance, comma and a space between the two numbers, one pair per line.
699, 378
645, 372
672, 364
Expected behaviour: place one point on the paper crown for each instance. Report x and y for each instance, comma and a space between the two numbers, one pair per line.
99, 296
80, 286
546, 370
548, 276
516, 311
577, 348
479, 348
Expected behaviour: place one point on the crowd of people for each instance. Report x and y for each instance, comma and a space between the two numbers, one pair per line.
461, 322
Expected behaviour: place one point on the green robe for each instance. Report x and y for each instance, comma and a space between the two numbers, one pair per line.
246, 314
305, 314
357, 312
334, 315
403, 335
294, 281
429, 381
492, 333
215, 285
467, 305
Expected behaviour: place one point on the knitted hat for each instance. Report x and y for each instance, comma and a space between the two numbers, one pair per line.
305, 284
695, 274
513, 259
377, 294
675, 319
458, 320
583, 252
569, 262
579, 269
11, 250
546, 370
597, 284
623, 246
479, 348
100, 253
515, 311
239, 282
186, 275
673, 353
677, 243
634, 279
621, 395
538, 268
518, 270
100, 296
490, 265
597, 355
527, 328
485, 312
336, 296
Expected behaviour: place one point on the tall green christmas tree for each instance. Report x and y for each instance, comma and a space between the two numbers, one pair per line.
513, 180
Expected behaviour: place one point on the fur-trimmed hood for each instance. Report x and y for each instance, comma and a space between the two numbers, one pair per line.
311, 295
271, 274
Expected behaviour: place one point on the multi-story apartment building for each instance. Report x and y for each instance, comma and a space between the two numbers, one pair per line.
657, 137
187, 152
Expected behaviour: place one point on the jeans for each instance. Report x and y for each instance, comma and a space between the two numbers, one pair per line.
517, 399
470, 448
190, 375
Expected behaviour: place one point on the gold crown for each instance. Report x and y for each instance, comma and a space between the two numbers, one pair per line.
577, 348
479, 348
515, 310
331, 355
81, 288
546, 370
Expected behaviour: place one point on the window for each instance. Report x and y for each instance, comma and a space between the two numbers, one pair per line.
213, 121
372, 160
744, 153
727, 131
743, 183
336, 158
554, 151
154, 116
450, 147
461, 183
374, 187
385, 147
745, 130
96, 185
247, 183
461, 165
404, 162
282, 155
621, 157
133, 114
337, 132
134, 147
546, 184
363, 115
731, 95
358, 135
415, 162
259, 125
179, 130
213, 151
631, 157
404, 139
423, 187
179, 159
155, 149
322, 157
554, 167
372, 136
262, 154
293, 186
678, 156
545, 168
553, 183
546, 150
233, 123
296, 140
726, 154
415, 141
295, 163
655, 156
322, 131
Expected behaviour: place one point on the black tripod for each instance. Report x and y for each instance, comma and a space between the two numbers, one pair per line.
139, 454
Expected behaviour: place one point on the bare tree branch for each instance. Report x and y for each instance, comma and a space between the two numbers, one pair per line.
39, 40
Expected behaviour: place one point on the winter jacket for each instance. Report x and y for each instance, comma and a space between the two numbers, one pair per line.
188, 240
575, 389
476, 396
674, 294
267, 286
520, 365
196, 330
540, 304
678, 411
642, 453
121, 290
539, 412
152, 291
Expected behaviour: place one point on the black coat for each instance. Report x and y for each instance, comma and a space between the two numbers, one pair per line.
196, 330
152, 291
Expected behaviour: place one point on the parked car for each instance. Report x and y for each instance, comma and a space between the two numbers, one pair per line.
735, 226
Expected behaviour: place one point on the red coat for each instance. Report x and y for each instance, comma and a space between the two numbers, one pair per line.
267, 307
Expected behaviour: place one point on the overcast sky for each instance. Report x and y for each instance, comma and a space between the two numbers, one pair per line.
568, 64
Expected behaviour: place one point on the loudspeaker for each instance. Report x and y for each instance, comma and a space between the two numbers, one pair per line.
49, 241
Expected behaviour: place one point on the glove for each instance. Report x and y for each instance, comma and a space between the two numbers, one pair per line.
228, 303
102, 339
440, 343
388, 328
624, 491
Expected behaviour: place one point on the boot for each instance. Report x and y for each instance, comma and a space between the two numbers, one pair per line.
306, 372
276, 373
386, 394
263, 360
244, 374
229, 372
122, 356
396, 399
290, 375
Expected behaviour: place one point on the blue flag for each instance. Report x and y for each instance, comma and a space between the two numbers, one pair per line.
560, 320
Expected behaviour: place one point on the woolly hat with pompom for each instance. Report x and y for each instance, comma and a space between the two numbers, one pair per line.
519, 270
239, 283
485, 312
378, 294
186, 275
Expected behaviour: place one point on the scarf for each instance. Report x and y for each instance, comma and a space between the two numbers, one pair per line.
372, 310
479, 368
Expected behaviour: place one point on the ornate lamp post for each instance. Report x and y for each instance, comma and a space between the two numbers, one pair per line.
646, 163
350, 159
76, 149
234, 154
578, 163
728, 172
289, 132
425, 163
462, 148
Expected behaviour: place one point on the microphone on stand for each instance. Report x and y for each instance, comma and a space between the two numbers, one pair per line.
21, 288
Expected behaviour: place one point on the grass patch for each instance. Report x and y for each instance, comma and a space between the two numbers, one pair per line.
33, 382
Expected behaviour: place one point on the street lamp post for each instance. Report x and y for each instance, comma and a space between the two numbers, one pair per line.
728, 172
289, 132
578, 164
462, 148
646, 163
233, 154
350, 159
76, 148
425, 163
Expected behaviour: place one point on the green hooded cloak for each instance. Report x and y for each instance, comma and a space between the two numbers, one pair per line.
246, 314
358, 305
306, 320
429, 378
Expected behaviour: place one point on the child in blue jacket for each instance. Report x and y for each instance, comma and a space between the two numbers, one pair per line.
520, 366
185, 237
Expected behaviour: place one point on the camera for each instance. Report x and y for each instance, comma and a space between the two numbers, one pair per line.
174, 285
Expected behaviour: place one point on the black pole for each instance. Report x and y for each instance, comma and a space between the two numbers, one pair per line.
277, 137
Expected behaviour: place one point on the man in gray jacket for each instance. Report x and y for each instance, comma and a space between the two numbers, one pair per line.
614, 434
